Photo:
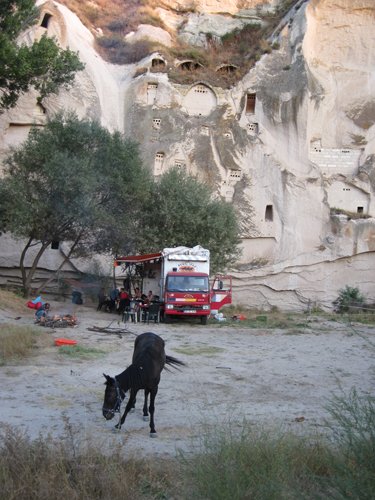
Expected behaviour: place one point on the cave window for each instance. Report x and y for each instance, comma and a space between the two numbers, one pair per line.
250, 103
189, 66
252, 127
360, 210
159, 160
158, 63
235, 174
151, 92
227, 68
156, 123
45, 21
179, 163
201, 89
55, 245
269, 213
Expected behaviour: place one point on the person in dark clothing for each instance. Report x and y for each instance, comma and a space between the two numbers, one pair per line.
103, 299
77, 297
124, 301
114, 296
42, 311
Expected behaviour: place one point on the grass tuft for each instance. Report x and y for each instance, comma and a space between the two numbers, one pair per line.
78, 351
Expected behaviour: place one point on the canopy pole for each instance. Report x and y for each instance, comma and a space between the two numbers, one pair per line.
114, 273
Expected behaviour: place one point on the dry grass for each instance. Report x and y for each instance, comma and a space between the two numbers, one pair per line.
74, 469
10, 301
18, 342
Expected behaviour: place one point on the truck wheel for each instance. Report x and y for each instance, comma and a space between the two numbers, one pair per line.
168, 319
204, 320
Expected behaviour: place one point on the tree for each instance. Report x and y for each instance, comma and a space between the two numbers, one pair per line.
43, 65
181, 210
75, 182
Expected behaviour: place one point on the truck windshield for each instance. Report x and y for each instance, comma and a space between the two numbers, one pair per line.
188, 284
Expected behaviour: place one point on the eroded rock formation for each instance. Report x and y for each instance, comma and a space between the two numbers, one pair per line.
292, 144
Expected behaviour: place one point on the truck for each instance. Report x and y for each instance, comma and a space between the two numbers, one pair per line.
180, 277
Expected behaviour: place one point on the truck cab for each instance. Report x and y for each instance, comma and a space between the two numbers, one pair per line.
187, 293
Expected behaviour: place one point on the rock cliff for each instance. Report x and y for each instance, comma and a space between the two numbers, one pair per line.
291, 144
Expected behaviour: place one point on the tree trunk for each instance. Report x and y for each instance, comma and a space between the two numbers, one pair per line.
26, 279
51, 278
22, 267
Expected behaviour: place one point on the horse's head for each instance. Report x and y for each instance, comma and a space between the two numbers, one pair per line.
112, 398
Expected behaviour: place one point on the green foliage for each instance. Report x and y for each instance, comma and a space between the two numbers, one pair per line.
181, 210
72, 181
250, 31
78, 351
43, 65
352, 462
349, 299
97, 276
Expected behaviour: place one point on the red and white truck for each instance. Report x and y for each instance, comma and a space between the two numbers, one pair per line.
180, 276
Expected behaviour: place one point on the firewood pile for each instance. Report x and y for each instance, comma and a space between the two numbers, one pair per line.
66, 321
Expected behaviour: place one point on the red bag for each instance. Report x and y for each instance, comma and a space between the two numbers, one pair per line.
34, 306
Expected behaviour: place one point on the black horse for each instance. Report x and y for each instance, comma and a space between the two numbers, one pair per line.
149, 359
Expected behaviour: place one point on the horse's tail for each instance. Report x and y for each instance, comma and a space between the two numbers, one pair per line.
171, 361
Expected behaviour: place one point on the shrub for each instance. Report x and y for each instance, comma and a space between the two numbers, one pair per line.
351, 460
349, 300
251, 462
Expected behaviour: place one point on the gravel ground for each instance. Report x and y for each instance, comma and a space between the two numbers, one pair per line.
279, 376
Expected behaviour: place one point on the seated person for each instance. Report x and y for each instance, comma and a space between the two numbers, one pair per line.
42, 311
137, 294
103, 298
150, 297
77, 297
124, 300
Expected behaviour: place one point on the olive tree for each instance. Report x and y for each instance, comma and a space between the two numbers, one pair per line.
182, 210
72, 181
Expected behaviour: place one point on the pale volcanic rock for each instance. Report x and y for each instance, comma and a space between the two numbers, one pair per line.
151, 33
288, 143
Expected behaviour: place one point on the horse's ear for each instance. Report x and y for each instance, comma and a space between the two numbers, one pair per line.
106, 376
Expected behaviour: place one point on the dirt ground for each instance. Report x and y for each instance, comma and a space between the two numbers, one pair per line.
232, 372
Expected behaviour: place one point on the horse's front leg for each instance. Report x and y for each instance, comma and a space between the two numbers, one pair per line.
129, 405
152, 411
145, 412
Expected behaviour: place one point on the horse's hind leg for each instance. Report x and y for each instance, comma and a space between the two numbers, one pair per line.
132, 409
145, 412
152, 411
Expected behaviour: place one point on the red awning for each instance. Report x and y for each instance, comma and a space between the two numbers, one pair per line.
136, 259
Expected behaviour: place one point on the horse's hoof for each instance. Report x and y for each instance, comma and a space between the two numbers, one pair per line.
146, 418
153, 435
132, 410
115, 430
